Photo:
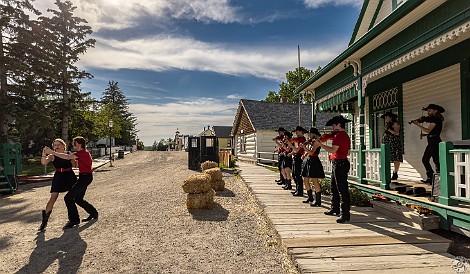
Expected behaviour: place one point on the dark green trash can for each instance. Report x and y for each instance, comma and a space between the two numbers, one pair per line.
121, 154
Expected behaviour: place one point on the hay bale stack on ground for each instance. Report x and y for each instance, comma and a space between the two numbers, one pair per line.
216, 178
208, 164
197, 183
200, 192
200, 200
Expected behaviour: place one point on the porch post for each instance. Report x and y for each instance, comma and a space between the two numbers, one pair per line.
361, 169
446, 183
385, 176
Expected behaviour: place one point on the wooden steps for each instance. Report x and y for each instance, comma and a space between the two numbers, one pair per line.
372, 242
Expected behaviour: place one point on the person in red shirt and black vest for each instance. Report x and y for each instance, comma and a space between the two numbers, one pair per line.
280, 153
339, 151
295, 144
85, 177
313, 169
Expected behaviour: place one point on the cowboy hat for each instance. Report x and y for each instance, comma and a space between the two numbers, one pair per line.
436, 107
281, 129
389, 114
299, 128
337, 120
314, 131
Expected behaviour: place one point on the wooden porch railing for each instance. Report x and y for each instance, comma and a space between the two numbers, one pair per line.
455, 174
269, 157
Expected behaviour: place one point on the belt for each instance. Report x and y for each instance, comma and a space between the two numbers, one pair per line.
63, 169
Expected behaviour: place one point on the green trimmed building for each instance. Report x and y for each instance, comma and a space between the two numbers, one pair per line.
402, 56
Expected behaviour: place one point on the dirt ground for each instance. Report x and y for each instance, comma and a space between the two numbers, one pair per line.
143, 226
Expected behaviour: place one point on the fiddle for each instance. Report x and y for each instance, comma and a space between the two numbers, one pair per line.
328, 136
426, 119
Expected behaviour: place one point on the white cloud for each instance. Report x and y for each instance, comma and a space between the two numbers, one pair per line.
118, 14
189, 117
160, 53
319, 3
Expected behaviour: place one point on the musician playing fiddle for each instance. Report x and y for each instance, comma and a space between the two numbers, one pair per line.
391, 136
313, 169
278, 140
339, 151
295, 144
287, 161
433, 130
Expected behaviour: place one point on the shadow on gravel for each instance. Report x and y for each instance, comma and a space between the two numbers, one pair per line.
26, 186
102, 170
216, 214
68, 249
225, 193
13, 211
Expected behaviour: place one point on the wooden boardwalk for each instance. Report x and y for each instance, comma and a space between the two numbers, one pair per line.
370, 243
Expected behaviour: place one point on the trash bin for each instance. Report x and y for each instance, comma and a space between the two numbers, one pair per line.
121, 154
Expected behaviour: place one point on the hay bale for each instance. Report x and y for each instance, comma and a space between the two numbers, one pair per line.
215, 173
197, 183
208, 164
218, 185
200, 200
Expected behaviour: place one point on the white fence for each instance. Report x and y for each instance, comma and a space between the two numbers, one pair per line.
373, 164
462, 172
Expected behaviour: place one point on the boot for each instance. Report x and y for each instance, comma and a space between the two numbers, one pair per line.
310, 197
332, 212
45, 219
288, 185
317, 199
344, 218
282, 182
395, 175
299, 190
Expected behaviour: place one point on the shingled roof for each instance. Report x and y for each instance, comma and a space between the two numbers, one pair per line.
267, 115
222, 131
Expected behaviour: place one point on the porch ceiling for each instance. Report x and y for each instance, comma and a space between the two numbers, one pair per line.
420, 11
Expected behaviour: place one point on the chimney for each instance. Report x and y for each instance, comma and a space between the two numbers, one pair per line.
283, 99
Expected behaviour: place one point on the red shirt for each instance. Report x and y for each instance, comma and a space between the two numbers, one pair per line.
84, 161
297, 141
343, 142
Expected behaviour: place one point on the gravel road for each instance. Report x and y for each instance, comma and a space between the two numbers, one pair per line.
144, 226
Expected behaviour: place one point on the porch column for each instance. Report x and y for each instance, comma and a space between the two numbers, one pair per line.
385, 166
447, 182
361, 169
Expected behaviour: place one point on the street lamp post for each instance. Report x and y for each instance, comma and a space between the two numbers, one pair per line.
110, 142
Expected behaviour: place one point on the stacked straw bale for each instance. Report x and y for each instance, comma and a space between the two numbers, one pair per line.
200, 192
216, 178
208, 165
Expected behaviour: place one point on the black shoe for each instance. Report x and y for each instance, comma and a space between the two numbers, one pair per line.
394, 176
281, 183
298, 194
45, 219
277, 181
89, 218
310, 197
332, 213
428, 181
343, 219
70, 224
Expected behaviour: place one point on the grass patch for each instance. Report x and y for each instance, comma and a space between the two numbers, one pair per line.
33, 167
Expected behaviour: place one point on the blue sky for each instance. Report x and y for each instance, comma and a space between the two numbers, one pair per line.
186, 64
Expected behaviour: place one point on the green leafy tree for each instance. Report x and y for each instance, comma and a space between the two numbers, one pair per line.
68, 40
287, 88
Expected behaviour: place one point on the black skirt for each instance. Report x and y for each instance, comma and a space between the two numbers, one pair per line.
287, 162
313, 168
63, 181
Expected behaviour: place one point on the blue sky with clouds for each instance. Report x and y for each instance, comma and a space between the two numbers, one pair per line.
185, 64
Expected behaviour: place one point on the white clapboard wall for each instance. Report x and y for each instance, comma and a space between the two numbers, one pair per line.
443, 88
249, 154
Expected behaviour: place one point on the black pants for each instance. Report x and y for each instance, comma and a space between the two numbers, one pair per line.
431, 151
279, 165
339, 187
297, 173
75, 196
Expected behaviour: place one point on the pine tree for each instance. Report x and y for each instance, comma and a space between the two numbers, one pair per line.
63, 77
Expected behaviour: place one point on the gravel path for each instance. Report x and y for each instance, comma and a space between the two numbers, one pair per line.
144, 226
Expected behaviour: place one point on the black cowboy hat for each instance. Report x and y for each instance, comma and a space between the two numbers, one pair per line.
299, 128
336, 120
417, 192
436, 107
281, 129
389, 114
288, 134
314, 131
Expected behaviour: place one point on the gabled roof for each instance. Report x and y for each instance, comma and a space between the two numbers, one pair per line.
267, 115
222, 131
366, 18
